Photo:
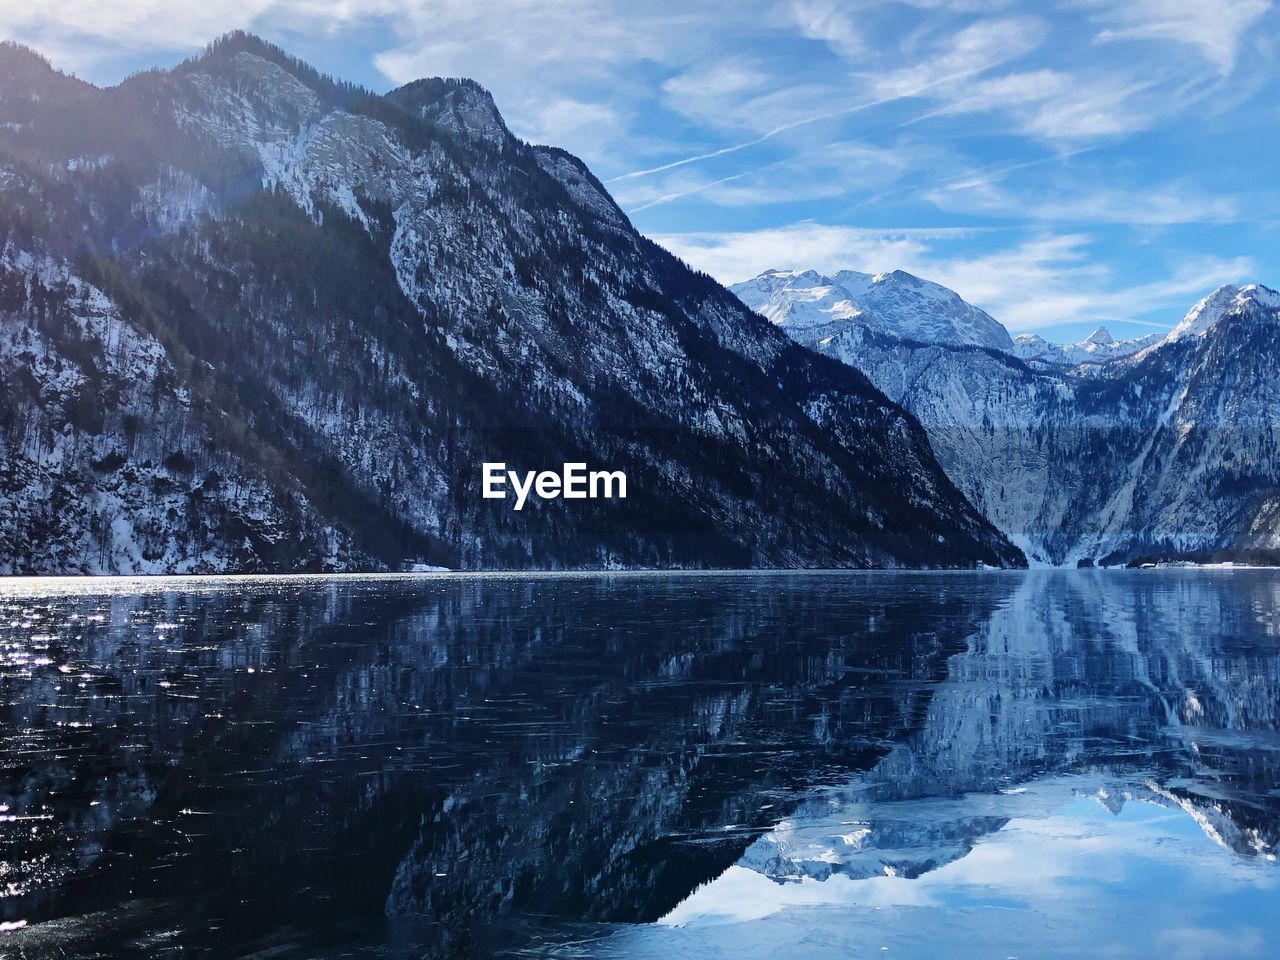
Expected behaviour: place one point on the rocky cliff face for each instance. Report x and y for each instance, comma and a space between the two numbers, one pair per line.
255, 319
1101, 451
896, 303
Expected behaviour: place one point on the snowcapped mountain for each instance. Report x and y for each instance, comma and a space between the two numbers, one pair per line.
252, 318
1101, 451
1213, 309
1094, 350
894, 303
798, 299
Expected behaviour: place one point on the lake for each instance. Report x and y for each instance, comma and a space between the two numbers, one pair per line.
1003, 764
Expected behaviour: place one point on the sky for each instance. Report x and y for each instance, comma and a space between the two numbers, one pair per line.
1061, 165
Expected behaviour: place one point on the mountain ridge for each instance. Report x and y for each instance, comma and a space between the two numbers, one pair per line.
1097, 452
896, 303
352, 302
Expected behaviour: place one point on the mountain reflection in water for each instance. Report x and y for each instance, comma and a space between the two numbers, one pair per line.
635, 764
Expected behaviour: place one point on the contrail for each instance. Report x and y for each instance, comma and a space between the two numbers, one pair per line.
668, 197
975, 178
800, 123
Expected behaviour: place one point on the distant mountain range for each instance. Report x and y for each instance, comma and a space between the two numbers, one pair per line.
812, 307
256, 319
1101, 451
1094, 350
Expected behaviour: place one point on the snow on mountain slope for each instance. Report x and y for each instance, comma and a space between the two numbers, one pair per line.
360, 299
798, 299
1207, 313
916, 309
1098, 451
1095, 350
894, 303
89, 485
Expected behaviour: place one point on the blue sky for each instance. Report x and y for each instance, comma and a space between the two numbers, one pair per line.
1060, 165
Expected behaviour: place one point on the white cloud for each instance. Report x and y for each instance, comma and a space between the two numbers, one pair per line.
1054, 104
730, 257
503, 38
563, 118
1052, 280
1039, 282
830, 22
925, 80
1050, 103
720, 94
829, 171
1214, 28
968, 52
79, 32
1076, 202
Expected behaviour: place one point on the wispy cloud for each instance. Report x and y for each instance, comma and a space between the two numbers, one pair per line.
832, 23
806, 121
825, 171
1158, 205
1214, 29
1054, 279
565, 118
762, 117
734, 256
963, 53
1039, 282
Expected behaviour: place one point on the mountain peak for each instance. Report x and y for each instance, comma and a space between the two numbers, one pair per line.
899, 276
240, 41
896, 303
1100, 337
15, 55
242, 55
24, 68
227, 47
460, 105
1261, 295
795, 274
1204, 316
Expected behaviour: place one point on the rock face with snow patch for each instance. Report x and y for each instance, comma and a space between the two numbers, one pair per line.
1082, 358
1103, 450
894, 303
254, 319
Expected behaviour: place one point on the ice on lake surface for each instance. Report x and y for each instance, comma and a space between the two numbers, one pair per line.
1042, 764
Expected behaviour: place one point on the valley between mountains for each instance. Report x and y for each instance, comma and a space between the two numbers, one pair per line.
1100, 452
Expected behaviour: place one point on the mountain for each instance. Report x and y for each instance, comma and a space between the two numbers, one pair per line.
1210, 311
894, 303
256, 319
1085, 356
1102, 451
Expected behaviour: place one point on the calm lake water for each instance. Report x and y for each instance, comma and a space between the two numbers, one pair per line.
1044, 764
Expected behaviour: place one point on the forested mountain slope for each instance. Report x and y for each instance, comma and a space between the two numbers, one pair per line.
255, 319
